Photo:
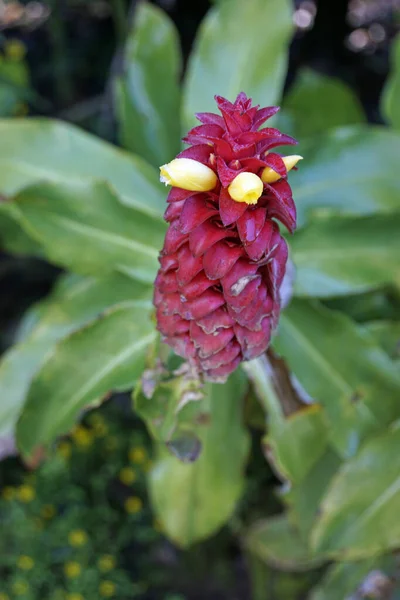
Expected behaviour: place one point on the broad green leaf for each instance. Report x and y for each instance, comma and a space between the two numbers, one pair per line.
14, 238
83, 226
194, 500
347, 579
277, 543
108, 354
317, 103
391, 92
340, 256
387, 334
240, 47
351, 170
341, 367
295, 442
74, 302
148, 93
39, 149
303, 498
360, 512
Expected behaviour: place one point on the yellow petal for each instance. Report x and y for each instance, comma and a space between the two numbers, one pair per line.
246, 187
188, 174
270, 176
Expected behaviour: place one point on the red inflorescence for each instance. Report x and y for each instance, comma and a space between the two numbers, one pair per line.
222, 264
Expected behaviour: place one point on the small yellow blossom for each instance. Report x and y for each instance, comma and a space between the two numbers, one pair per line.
246, 187
82, 437
72, 569
8, 493
47, 511
77, 538
138, 455
74, 596
133, 505
127, 475
188, 174
270, 176
26, 493
20, 587
107, 589
106, 563
64, 449
15, 49
26, 563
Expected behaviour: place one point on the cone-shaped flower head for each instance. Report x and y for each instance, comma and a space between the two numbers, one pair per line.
223, 260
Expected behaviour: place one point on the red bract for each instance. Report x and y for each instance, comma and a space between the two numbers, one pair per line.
223, 261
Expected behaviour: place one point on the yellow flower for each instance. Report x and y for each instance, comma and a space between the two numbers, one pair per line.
64, 450
127, 475
8, 493
107, 589
138, 455
20, 588
133, 505
77, 537
48, 511
25, 563
82, 436
74, 597
72, 569
15, 49
188, 174
106, 563
26, 493
246, 187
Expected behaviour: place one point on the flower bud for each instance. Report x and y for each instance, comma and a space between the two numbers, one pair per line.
270, 176
246, 187
188, 174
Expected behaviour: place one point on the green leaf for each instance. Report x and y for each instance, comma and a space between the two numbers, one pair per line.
108, 354
276, 542
340, 256
359, 516
194, 500
241, 46
74, 302
387, 335
344, 580
148, 92
352, 170
13, 238
295, 442
317, 103
341, 367
303, 498
39, 149
391, 92
83, 226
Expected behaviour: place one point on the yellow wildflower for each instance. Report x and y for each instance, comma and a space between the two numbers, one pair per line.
74, 596
8, 493
82, 436
127, 475
133, 505
20, 587
107, 589
26, 493
106, 563
64, 450
77, 537
25, 563
138, 455
72, 569
48, 511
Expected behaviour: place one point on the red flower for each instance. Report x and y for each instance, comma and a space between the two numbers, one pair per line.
223, 261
